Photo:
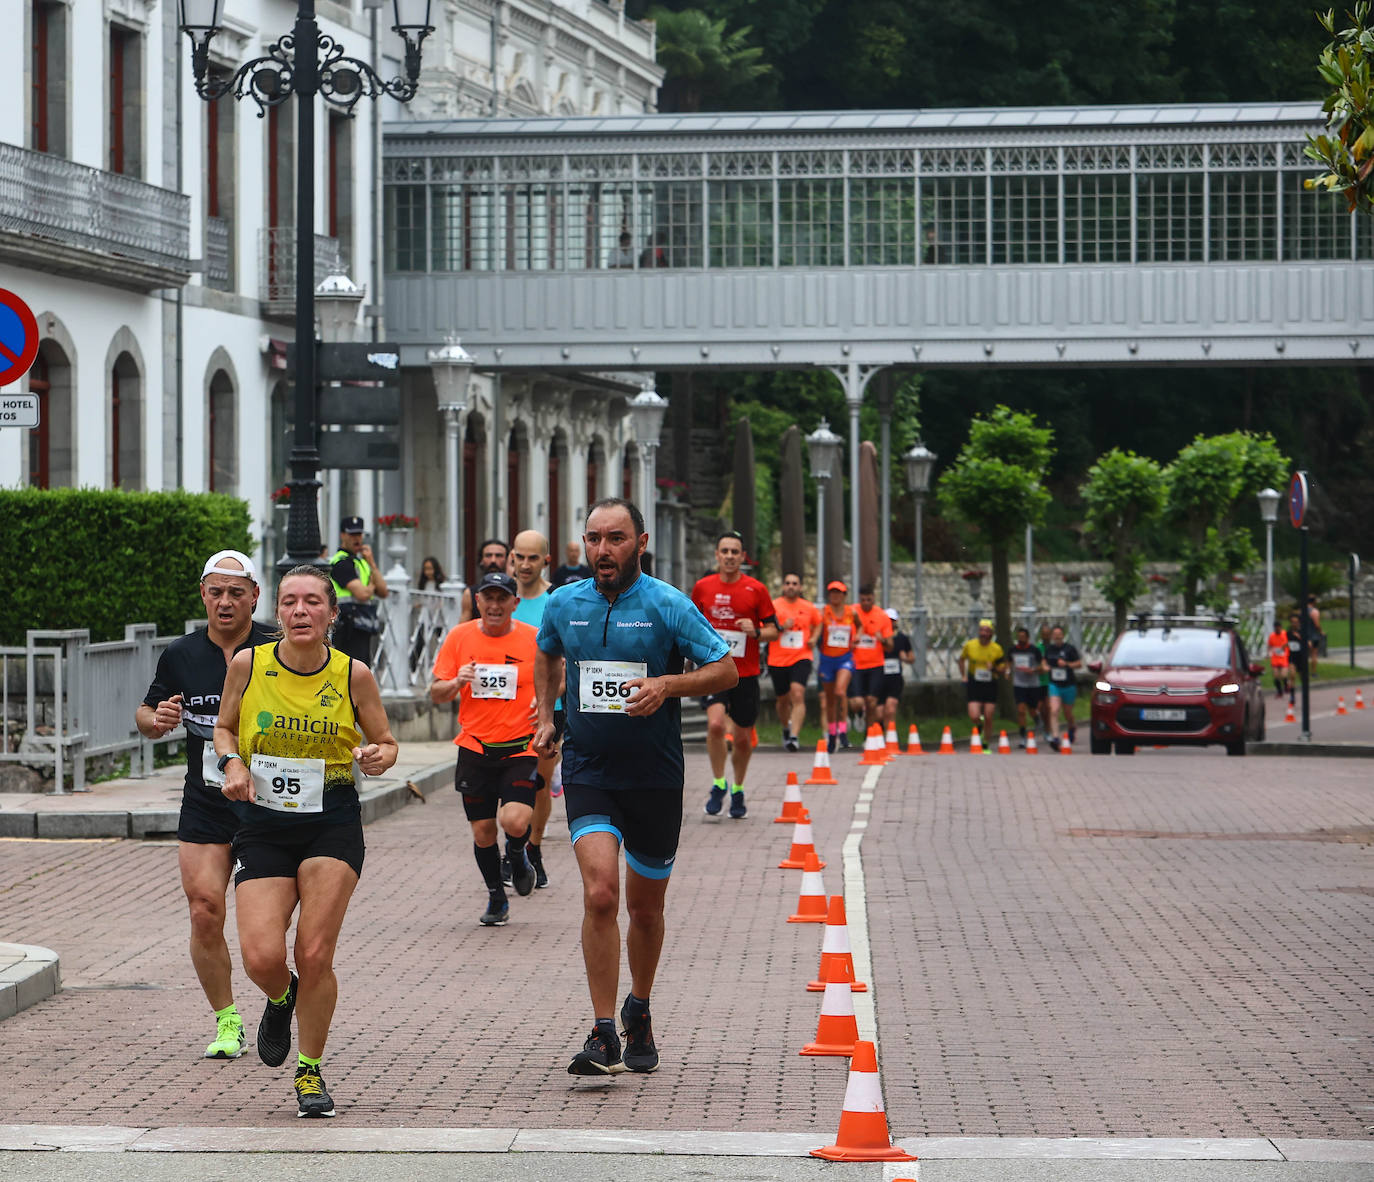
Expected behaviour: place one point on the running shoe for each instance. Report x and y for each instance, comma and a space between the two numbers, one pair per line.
830, 744
497, 912
715, 801
844, 740
522, 875
228, 1042
311, 1098
737, 809
506, 879
536, 856
791, 744
640, 1052
600, 1055
274, 1031
786, 738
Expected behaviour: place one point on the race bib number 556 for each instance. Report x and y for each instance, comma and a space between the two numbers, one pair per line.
602, 687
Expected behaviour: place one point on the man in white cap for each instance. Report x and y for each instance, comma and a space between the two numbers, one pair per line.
185, 692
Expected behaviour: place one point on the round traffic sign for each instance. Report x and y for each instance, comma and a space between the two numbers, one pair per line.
1297, 499
18, 338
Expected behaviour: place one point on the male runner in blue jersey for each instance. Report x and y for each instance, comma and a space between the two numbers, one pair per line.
622, 637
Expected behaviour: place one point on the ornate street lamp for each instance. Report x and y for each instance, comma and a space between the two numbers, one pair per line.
1269, 499
823, 450
451, 366
647, 409
306, 63
919, 463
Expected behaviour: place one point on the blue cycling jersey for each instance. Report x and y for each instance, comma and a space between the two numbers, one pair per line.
652, 622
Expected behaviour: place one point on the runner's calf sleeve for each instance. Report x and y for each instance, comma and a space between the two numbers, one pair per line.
489, 863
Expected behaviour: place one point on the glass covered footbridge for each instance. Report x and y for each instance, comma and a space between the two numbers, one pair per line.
1058, 236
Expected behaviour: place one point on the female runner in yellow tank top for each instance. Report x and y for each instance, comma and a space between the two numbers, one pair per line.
295, 717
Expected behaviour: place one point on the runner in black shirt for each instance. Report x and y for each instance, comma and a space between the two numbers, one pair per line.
185, 691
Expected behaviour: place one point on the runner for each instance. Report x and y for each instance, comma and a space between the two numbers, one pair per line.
790, 657
1027, 663
901, 654
288, 742
622, 637
1277, 642
530, 550
872, 643
1043, 710
1298, 649
1062, 659
493, 554
741, 610
838, 629
185, 691
488, 664
981, 661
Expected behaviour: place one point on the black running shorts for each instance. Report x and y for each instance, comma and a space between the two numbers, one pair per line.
207, 818
867, 683
741, 702
488, 781
892, 687
787, 676
277, 851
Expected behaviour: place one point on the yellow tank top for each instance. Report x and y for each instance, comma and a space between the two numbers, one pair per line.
303, 716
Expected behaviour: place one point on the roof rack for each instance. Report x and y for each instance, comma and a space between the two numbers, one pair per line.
1167, 620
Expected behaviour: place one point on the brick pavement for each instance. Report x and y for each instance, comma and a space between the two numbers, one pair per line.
1028, 982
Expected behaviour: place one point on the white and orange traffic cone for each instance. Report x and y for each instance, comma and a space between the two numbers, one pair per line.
913, 741
811, 904
753, 737
791, 802
1340, 704
873, 748
1031, 747
1003, 746
801, 845
1065, 747
1288, 715
838, 1029
975, 742
1359, 699
946, 742
820, 770
837, 962
890, 741
863, 1134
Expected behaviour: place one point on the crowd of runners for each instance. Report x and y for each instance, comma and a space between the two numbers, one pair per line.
566, 683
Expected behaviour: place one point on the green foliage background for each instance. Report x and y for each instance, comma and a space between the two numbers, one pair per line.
89, 558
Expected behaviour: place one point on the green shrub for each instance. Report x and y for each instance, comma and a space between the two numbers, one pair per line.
88, 558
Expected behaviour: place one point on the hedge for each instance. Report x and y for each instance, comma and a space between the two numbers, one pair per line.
89, 558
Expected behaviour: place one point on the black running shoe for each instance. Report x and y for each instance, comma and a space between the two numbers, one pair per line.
830, 744
497, 912
274, 1031
536, 857
737, 809
844, 740
600, 1055
311, 1098
505, 870
715, 800
522, 875
791, 744
640, 1052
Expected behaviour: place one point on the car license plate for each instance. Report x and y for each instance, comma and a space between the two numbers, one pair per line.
1159, 715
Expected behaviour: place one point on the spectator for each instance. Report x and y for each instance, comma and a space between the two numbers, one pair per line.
573, 569
623, 256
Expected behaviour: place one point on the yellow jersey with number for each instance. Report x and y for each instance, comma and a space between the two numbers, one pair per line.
303, 715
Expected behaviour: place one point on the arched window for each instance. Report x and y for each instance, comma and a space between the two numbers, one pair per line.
222, 465
517, 464
125, 419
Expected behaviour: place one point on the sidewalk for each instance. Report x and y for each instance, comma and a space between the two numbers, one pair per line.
1349, 735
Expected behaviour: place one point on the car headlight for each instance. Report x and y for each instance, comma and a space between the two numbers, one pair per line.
1229, 688
1104, 686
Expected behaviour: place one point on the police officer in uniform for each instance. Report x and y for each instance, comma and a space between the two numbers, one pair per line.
358, 583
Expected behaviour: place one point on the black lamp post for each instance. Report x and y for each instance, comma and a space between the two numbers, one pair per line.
304, 62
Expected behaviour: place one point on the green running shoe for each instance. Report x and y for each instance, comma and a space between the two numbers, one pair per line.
228, 1042
311, 1098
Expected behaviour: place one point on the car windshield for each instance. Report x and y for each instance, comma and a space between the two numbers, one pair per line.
1178, 646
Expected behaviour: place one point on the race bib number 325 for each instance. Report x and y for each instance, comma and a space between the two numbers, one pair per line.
602, 688
495, 681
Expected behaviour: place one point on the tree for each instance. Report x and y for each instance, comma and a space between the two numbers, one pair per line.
1347, 147
703, 61
996, 484
1206, 483
1122, 493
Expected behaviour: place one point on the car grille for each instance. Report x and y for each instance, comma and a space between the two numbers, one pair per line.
1195, 718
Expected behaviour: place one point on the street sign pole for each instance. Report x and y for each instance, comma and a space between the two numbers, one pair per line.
1297, 511
1354, 573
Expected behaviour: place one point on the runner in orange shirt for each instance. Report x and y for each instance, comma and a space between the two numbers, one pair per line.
839, 628
872, 643
1278, 660
790, 657
488, 665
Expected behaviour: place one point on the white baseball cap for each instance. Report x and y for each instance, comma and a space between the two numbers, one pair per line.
891, 613
213, 567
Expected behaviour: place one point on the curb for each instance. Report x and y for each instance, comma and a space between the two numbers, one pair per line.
1328, 750
28, 975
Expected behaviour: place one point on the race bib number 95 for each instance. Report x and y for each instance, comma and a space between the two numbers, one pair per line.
602, 688
288, 785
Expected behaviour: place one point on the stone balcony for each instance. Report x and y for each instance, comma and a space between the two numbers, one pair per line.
69, 219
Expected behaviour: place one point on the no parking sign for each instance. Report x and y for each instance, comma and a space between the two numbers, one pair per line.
18, 337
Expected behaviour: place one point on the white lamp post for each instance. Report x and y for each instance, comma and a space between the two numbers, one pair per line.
1269, 499
647, 409
823, 449
919, 461
451, 366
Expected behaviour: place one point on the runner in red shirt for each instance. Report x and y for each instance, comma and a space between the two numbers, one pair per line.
741, 610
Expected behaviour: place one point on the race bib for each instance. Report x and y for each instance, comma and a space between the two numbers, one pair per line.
495, 681
867, 640
209, 767
892, 665
982, 675
1023, 660
837, 636
601, 685
1059, 675
288, 785
736, 640
1294, 646
794, 638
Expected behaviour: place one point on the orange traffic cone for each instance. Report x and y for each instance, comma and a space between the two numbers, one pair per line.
1340, 705
811, 907
1003, 747
913, 741
863, 1132
1031, 748
838, 1029
837, 962
791, 802
873, 748
946, 743
890, 741
975, 742
801, 845
753, 737
820, 770
1288, 714
1359, 699
1065, 747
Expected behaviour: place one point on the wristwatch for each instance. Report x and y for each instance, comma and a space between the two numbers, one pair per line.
224, 760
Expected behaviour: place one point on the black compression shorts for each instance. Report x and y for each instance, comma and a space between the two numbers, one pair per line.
646, 821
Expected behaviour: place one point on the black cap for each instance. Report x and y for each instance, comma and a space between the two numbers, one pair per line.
498, 579
351, 525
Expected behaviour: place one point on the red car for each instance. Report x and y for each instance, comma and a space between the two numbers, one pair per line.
1177, 681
